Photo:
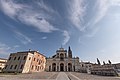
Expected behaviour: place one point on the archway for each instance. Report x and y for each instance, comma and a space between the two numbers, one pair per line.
54, 67
69, 67
61, 67
49, 68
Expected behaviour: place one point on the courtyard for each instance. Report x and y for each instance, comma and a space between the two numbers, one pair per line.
55, 76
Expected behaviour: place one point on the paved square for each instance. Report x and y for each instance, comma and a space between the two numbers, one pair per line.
55, 76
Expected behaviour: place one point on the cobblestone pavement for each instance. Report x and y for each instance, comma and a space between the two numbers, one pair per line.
55, 76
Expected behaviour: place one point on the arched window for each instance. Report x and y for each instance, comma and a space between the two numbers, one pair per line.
61, 56
57, 55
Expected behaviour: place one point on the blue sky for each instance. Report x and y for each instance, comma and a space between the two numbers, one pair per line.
90, 27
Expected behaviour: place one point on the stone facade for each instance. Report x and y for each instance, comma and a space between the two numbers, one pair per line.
2, 63
25, 62
85, 67
117, 66
108, 69
105, 70
62, 61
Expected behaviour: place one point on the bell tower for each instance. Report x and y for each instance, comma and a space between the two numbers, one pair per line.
69, 53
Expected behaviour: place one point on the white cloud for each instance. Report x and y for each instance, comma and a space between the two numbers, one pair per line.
43, 6
76, 12
40, 23
16, 46
4, 48
93, 32
66, 37
44, 37
28, 15
9, 8
103, 55
23, 38
115, 2
13, 48
102, 10
81, 42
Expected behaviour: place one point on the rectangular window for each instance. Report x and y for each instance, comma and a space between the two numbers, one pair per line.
21, 66
36, 68
19, 58
24, 57
15, 58
9, 58
6, 66
32, 67
34, 59
15, 67
37, 60
29, 58
11, 66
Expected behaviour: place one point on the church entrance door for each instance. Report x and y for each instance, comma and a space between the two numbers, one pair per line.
54, 67
69, 67
61, 67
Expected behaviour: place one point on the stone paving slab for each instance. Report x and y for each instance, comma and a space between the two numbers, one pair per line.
84, 76
56, 76
62, 76
73, 77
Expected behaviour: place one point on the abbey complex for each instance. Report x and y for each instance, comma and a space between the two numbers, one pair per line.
62, 60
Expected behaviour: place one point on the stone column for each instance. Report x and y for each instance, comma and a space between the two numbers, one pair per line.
72, 67
59, 66
64, 67
51, 67
67, 66
56, 66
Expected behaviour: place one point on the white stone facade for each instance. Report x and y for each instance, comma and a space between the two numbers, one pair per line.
85, 67
62, 61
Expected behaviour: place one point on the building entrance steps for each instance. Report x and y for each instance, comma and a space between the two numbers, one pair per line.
62, 76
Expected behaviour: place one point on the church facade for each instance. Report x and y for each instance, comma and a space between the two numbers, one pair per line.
62, 61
